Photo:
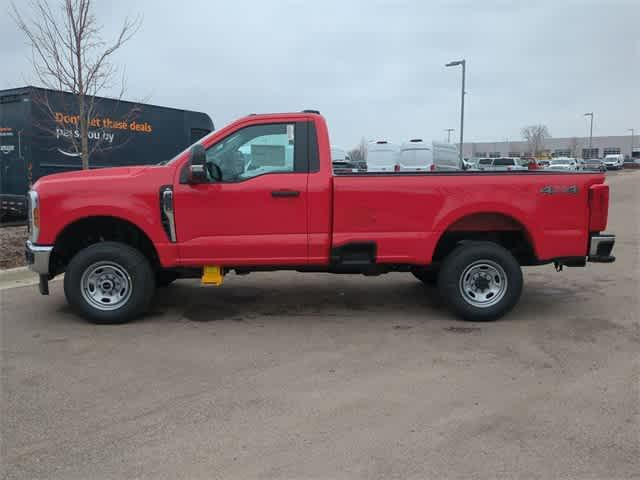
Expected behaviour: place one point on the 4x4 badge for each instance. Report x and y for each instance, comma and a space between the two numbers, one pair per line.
551, 190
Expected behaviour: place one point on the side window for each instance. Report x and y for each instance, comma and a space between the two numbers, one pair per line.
255, 150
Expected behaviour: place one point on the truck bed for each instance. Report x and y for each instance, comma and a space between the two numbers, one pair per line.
407, 213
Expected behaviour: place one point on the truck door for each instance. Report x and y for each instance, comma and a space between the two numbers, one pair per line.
257, 213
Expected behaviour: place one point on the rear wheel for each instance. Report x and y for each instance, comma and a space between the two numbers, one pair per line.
109, 282
481, 281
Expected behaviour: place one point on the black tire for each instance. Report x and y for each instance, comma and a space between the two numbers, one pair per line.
164, 278
131, 261
426, 275
472, 255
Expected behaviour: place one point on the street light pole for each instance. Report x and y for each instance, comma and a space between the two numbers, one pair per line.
632, 130
464, 66
590, 114
449, 130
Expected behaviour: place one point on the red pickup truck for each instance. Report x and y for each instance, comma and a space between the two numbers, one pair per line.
260, 195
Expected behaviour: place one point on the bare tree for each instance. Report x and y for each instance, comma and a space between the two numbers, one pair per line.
359, 153
69, 54
535, 136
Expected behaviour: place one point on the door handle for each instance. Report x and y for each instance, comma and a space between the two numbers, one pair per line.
285, 193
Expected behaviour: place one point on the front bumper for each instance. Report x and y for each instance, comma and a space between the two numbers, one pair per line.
600, 248
37, 257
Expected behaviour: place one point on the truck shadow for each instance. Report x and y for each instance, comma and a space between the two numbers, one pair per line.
315, 299
309, 300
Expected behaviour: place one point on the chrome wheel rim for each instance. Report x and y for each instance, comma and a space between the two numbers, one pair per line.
483, 283
106, 286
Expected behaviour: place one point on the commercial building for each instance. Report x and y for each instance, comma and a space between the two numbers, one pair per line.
558, 147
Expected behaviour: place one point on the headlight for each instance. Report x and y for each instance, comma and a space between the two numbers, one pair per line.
33, 212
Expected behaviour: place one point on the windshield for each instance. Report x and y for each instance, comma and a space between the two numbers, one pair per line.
484, 161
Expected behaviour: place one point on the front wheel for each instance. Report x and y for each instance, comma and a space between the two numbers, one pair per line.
109, 282
481, 281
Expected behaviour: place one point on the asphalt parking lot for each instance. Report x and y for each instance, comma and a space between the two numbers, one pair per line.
286, 375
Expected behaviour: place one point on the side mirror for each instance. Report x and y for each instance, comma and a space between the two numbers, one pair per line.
196, 166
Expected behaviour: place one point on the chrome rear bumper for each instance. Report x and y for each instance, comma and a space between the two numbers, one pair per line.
600, 248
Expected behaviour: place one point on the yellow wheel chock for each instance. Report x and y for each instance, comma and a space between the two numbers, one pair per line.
212, 275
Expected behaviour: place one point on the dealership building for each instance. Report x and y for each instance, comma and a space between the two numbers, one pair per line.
558, 147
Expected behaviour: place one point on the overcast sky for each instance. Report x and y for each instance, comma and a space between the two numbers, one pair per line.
376, 69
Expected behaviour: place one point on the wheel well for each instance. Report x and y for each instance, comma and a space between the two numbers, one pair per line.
87, 231
492, 227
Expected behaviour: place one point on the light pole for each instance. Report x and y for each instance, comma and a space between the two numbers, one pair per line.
464, 65
449, 130
632, 130
590, 114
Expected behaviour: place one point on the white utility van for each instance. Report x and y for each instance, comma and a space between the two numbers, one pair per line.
382, 156
419, 156
614, 161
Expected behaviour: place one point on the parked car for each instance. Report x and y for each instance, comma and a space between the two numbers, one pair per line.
507, 164
563, 163
501, 164
419, 156
484, 163
382, 156
469, 163
614, 162
341, 161
260, 195
632, 162
544, 163
595, 165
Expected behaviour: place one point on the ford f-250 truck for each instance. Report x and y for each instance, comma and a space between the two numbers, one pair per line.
260, 195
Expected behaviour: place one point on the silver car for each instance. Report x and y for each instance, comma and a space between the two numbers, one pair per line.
507, 164
594, 165
564, 163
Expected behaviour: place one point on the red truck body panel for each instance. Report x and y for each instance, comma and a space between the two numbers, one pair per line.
127, 193
405, 215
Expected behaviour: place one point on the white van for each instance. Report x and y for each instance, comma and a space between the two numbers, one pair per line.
614, 161
382, 156
419, 156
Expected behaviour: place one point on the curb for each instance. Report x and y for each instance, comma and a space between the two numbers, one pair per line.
18, 277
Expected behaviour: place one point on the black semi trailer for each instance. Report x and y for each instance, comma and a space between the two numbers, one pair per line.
39, 132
